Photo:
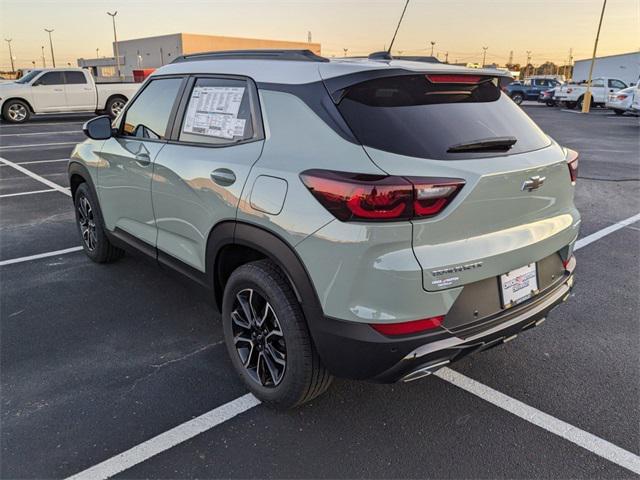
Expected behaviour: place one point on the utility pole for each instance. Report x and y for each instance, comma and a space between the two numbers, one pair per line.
570, 63
44, 61
484, 56
115, 39
586, 102
97, 53
526, 68
309, 37
9, 40
446, 57
433, 44
510, 58
53, 57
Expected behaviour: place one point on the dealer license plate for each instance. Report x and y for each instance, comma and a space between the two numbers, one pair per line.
519, 285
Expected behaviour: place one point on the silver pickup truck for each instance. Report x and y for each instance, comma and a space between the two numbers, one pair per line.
61, 90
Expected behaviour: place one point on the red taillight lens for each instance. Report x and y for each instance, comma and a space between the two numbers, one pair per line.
621, 97
406, 328
448, 78
572, 161
357, 197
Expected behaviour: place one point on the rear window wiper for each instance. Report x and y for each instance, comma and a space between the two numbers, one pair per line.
493, 144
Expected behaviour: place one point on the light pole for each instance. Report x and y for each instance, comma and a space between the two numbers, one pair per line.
345, 51
97, 53
53, 58
484, 56
115, 39
9, 40
433, 44
526, 68
44, 62
586, 101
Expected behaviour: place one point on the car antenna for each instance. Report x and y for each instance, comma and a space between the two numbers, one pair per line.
398, 27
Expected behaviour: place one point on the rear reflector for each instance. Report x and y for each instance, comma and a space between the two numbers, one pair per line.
358, 197
448, 78
405, 328
572, 161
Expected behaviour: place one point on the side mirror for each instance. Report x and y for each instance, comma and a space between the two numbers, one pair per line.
98, 128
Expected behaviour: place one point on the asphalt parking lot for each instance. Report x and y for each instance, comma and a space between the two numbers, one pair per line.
95, 360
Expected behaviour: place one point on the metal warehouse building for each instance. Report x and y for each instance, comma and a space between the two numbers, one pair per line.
625, 67
153, 52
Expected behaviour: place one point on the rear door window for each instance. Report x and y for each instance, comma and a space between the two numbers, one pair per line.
616, 84
411, 115
148, 115
75, 78
218, 112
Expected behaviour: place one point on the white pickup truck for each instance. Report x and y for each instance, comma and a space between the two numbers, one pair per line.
572, 94
61, 90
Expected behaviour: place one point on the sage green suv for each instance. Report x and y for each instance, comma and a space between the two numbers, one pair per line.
367, 218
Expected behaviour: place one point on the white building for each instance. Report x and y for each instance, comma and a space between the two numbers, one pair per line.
625, 67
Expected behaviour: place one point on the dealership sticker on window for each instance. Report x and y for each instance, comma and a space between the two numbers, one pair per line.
213, 111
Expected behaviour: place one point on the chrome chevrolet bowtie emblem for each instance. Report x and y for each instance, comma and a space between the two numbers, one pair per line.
533, 183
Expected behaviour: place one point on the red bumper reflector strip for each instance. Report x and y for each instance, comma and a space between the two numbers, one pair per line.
406, 328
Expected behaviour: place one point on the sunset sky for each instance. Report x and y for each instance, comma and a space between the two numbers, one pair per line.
462, 27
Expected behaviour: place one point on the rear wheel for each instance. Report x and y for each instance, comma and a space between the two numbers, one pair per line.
551, 103
619, 112
518, 98
267, 337
16, 111
91, 227
580, 102
115, 106
570, 105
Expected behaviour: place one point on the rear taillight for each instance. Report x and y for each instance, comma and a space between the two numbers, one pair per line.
358, 197
572, 161
406, 328
449, 78
621, 97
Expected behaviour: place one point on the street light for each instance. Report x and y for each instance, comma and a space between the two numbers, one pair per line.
53, 58
345, 51
433, 44
115, 39
9, 40
484, 56
44, 62
97, 53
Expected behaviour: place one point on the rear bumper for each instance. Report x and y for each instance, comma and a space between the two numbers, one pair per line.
354, 350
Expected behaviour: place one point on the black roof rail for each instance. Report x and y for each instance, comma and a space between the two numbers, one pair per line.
293, 55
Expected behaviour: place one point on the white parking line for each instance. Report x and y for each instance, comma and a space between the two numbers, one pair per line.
583, 242
37, 161
39, 255
35, 176
65, 132
13, 147
36, 124
27, 193
586, 440
168, 439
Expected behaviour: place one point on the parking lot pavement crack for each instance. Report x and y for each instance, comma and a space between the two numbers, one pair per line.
160, 366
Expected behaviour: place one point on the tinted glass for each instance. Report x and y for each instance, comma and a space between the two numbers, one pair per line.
598, 82
218, 112
408, 115
29, 76
149, 114
51, 78
616, 84
74, 78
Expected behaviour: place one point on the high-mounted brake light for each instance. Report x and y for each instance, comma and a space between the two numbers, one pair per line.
572, 161
357, 197
448, 78
406, 328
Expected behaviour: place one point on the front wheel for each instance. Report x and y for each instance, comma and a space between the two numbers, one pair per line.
91, 227
115, 106
518, 98
267, 337
619, 112
570, 105
16, 111
551, 103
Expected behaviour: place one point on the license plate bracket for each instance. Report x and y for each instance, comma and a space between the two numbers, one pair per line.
519, 285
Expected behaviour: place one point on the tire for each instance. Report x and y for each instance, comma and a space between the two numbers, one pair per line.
115, 105
618, 112
91, 228
16, 111
297, 375
570, 105
550, 103
581, 101
517, 98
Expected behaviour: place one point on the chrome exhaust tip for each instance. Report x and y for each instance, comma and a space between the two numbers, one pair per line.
424, 371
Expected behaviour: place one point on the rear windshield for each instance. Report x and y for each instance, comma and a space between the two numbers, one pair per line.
410, 115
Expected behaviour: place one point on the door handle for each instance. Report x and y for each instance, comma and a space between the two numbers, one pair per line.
223, 177
57, 89
143, 159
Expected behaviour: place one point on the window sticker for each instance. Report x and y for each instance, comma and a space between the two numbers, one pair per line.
213, 112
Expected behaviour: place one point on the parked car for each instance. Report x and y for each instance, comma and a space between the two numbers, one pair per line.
572, 95
635, 103
354, 217
548, 97
620, 102
530, 89
61, 90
